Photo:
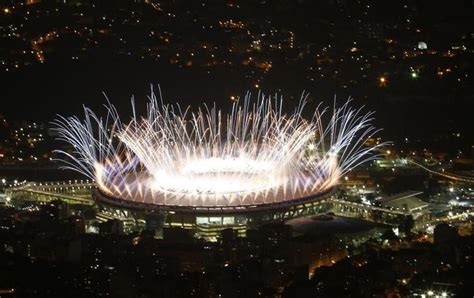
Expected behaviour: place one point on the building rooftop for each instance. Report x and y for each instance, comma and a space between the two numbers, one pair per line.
406, 201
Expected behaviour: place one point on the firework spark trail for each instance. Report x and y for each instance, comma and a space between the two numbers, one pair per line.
256, 154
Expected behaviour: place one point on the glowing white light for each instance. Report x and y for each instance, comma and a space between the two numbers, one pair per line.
256, 154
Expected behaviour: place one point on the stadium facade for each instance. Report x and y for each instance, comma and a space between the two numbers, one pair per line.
202, 222
208, 222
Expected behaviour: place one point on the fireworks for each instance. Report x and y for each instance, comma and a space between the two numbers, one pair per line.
256, 154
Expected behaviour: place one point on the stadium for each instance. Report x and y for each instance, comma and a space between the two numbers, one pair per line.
208, 170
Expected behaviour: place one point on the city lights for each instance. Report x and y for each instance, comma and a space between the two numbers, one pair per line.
210, 192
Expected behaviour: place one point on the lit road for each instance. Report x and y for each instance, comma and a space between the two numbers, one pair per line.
443, 174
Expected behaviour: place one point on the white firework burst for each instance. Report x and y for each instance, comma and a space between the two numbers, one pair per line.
254, 155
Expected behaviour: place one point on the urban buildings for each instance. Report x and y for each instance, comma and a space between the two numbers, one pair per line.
398, 227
